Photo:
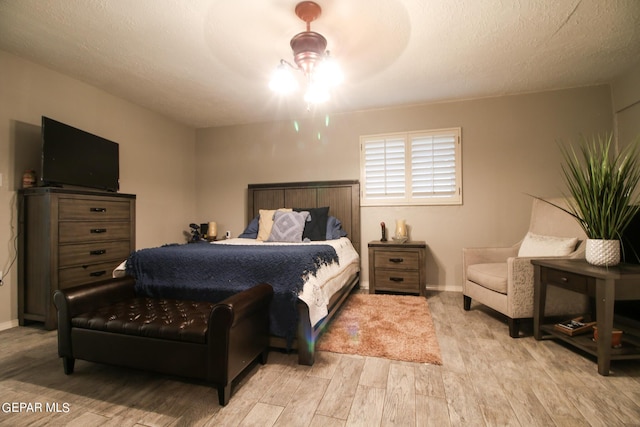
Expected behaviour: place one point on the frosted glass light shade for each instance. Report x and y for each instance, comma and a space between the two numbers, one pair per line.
328, 72
283, 81
316, 93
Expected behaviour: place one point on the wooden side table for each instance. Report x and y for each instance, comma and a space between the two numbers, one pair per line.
397, 267
606, 285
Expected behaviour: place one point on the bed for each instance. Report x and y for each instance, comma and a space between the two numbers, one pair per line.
311, 279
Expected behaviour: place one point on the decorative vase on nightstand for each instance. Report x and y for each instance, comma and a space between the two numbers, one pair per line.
401, 231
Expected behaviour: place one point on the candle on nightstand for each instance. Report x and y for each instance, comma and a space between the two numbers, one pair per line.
212, 232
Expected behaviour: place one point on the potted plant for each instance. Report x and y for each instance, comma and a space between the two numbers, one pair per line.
602, 186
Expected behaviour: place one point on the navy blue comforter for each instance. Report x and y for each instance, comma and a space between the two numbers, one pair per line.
213, 272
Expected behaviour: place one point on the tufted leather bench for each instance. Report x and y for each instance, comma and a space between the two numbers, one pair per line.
150, 317
107, 322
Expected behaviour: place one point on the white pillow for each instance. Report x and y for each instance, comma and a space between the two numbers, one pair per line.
536, 245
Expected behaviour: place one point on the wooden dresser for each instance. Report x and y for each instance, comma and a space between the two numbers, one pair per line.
397, 267
68, 238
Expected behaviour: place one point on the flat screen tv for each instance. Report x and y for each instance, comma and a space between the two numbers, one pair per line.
631, 242
74, 157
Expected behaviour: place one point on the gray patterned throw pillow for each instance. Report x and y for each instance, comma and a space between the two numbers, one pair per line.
288, 227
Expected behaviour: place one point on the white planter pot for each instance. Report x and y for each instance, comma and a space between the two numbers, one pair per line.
604, 253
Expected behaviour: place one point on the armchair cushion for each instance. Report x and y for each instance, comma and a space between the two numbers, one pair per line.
492, 276
538, 245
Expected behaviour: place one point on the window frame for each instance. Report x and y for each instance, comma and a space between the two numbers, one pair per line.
408, 198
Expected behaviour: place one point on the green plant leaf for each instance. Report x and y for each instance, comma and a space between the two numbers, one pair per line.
602, 185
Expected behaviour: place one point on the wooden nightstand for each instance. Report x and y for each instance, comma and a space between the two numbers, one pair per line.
397, 267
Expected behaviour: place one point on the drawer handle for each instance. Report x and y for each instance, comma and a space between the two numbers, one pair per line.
396, 259
564, 279
98, 209
98, 252
396, 279
98, 273
98, 230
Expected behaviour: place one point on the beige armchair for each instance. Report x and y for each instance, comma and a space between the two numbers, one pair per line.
502, 278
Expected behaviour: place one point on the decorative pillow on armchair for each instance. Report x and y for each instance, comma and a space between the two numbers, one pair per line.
288, 227
537, 245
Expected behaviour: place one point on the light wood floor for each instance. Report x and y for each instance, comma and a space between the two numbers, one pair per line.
487, 379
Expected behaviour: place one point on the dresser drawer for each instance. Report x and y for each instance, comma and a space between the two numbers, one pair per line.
408, 260
566, 280
70, 209
92, 253
79, 275
93, 231
397, 280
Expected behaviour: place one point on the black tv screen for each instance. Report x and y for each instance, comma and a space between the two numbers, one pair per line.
631, 242
74, 157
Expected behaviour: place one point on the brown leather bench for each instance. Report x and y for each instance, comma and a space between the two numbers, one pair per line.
106, 322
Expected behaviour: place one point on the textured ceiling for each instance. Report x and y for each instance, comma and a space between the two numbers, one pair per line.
207, 62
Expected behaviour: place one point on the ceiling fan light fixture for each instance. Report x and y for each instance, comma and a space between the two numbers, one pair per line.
282, 80
308, 49
311, 57
317, 93
329, 72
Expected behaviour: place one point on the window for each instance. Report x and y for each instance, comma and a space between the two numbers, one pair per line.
411, 168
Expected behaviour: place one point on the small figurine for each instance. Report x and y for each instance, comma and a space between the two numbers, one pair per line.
195, 232
384, 232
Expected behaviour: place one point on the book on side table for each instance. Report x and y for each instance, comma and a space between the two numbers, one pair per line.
574, 326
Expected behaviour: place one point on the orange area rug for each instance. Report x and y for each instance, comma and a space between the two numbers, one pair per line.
396, 327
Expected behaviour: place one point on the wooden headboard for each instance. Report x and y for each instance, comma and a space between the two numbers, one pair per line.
342, 197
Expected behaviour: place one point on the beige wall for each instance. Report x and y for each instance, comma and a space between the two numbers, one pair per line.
156, 156
509, 149
626, 105
181, 175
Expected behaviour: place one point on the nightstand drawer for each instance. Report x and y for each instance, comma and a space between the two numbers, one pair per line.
566, 280
397, 280
397, 260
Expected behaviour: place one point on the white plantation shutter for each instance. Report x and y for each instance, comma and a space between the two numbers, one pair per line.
414, 168
385, 168
433, 166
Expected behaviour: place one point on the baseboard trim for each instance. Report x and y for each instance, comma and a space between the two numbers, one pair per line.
8, 325
442, 288
364, 284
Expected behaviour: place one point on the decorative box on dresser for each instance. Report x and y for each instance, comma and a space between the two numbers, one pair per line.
397, 267
68, 237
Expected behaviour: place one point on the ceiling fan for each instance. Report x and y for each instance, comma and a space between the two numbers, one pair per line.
311, 57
